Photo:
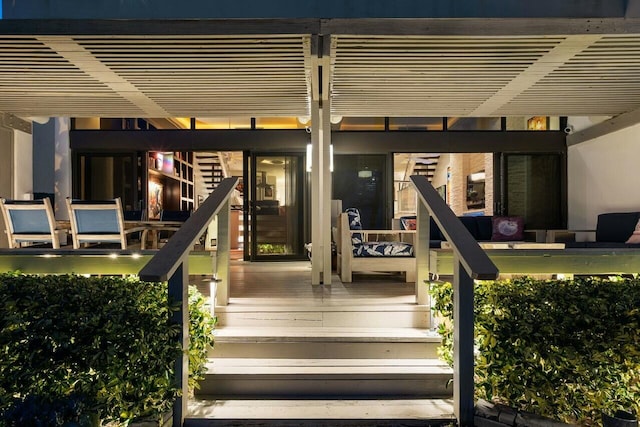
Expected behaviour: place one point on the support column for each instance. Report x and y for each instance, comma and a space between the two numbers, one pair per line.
317, 248
463, 361
421, 248
222, 255
320, 195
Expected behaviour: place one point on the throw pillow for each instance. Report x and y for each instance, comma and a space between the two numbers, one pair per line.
506, 228
635, 237
408, 223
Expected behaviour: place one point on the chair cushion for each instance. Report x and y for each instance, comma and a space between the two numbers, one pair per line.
386, 249
616, 227
355, 224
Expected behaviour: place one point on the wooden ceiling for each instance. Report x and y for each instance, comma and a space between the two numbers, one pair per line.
272, 75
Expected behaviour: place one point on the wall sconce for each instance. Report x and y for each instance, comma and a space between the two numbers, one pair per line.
310, 158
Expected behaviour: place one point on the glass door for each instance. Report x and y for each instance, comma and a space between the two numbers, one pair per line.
276, 207
532, 186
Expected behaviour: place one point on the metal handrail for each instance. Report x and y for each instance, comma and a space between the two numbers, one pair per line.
474, 260
170, 257
470, 263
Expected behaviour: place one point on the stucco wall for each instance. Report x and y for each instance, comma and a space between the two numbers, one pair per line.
603, 176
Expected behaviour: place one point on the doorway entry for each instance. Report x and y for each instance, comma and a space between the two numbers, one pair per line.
275, 217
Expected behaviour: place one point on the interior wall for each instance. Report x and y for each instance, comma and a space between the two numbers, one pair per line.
603, 176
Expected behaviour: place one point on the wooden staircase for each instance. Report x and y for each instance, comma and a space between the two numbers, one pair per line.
324, 365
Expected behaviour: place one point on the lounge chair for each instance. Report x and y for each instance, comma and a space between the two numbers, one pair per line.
29, 221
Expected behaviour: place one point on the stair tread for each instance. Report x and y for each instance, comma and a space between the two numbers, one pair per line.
339, 409
302, 333
253, 366
293, 307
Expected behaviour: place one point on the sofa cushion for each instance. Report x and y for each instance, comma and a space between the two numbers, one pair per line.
485, 227
616, 227
506, 228
471, 224
386, 249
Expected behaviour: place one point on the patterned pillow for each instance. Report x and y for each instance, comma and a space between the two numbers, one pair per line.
506, 228
355, 224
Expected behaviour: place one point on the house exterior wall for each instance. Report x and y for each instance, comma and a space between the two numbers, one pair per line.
603, 176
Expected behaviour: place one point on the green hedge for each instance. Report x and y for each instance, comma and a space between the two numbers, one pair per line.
87, 345
562, 349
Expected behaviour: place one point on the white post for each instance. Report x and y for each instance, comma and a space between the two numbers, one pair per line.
317, 249
421, 248
222, 254
325, 193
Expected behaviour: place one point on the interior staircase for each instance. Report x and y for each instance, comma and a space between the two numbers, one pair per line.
323, 366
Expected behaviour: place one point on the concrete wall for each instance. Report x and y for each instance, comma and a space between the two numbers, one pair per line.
603, 176
203, 9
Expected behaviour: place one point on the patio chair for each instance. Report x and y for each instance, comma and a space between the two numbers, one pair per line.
99, 222
29, 221
357, 253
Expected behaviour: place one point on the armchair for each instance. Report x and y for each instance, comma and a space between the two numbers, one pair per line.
357, 253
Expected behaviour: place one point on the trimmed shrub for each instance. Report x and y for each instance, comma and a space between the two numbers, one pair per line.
568, 350
104, 345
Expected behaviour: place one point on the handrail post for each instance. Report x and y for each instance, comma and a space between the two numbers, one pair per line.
222, 254
421, 247
463, 341
179, 294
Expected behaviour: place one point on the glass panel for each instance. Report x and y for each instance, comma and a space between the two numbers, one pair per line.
533, 123
282, 123
357, 123
416, 123
360, 182
276, 219
92, 123
223, 123
533, 189
474, 123
108, 177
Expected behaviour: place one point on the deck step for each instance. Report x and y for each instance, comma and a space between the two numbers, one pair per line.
205, 412
391, 315
324, 378
325, 342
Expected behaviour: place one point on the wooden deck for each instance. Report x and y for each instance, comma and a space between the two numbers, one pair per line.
289, 283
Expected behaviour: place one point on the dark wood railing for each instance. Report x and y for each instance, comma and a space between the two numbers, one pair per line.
171, 264
470, 263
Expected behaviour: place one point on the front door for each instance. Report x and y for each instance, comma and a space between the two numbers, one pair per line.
276, 207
